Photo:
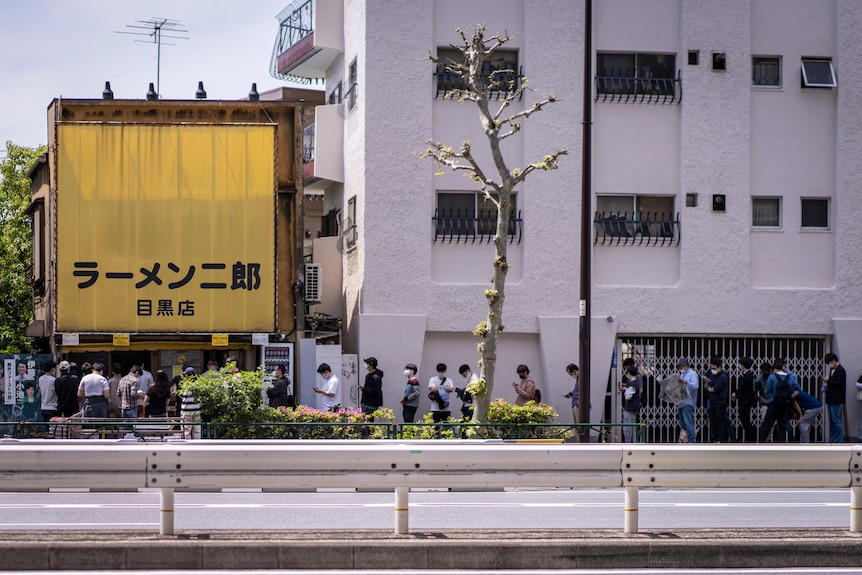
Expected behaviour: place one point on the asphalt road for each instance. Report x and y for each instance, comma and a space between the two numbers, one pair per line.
429, 510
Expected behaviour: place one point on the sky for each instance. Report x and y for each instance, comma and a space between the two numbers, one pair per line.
69, 48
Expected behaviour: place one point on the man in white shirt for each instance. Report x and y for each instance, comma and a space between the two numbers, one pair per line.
442, 386
330, 392
47, 392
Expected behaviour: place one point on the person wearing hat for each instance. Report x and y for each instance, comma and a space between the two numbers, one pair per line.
66, 387
685, 408
372, 392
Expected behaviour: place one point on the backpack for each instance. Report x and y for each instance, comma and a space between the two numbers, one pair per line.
782, 391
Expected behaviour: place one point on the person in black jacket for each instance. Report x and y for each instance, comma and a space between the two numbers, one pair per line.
745, 395
372, 392
66, 387
279, 394
835, 387
717, 386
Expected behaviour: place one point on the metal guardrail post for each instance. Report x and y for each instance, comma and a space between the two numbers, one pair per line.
631, 517
166, 511
402, 495
856, 509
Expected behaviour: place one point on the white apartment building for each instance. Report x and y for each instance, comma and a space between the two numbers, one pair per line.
725, 170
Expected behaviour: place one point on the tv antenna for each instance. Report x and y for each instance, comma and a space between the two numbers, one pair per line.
157, 28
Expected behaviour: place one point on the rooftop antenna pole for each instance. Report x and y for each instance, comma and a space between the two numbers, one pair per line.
156, 28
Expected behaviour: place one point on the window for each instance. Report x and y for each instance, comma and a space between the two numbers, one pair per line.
815, 213
766, 212
818, 73
468, 217
693, 57
349, 227
719, 61
691, 200
645, 75
36, 272
505, 62
352, 79
335, 95
766, 71
630, 220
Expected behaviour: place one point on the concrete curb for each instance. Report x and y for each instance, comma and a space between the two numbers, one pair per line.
455, 549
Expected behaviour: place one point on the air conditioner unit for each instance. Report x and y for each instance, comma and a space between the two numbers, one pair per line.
313, 281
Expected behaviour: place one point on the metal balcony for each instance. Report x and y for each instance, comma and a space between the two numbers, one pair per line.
310, 37
636, 229
469, 227
623, 86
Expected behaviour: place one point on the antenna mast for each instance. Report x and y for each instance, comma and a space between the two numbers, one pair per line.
156, 30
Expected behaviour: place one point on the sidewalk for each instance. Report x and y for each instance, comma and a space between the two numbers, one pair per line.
444, 549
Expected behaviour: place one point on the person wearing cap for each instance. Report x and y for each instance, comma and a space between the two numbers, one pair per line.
685, 408
66, 388
94, 393
372, 392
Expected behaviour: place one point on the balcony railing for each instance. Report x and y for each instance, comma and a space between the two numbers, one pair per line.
622, 86
503, 83
469, 227
636, 229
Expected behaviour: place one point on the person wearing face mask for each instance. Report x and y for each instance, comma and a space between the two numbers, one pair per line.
685, 408
717, 386
330, 390
439, 388
279, 394
526, 388
410, 401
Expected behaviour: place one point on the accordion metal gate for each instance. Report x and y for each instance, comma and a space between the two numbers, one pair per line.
657, 357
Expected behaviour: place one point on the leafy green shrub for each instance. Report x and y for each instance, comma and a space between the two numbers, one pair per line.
226, 396
427, 429
519, 422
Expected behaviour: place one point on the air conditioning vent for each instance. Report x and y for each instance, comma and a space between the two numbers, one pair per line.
313, 281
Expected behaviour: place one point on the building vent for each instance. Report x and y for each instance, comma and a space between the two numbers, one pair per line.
312, 283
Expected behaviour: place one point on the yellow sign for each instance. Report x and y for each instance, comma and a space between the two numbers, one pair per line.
219, 339
121, 339
165, 228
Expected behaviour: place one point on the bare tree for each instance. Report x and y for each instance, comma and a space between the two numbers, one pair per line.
478, 82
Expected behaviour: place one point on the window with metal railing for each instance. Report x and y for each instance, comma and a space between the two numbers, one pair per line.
642, 220
501, 73
637, 78
464, 218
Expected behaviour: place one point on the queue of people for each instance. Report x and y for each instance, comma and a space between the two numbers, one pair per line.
774, 396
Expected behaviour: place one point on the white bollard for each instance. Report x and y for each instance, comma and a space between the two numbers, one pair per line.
401, 509
631, 524
855, 509
166, 511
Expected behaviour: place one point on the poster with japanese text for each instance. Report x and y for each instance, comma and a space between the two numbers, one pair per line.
165, 228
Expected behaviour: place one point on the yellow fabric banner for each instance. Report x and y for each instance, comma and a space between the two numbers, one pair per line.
165, 228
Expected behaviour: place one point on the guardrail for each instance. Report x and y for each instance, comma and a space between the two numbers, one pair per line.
400, 465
